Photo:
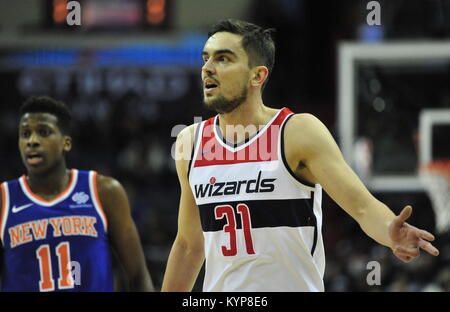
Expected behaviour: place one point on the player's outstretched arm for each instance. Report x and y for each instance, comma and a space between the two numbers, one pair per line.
123, 233
308, 142
187, 253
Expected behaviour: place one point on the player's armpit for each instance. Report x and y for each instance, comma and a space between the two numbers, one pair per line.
123, 233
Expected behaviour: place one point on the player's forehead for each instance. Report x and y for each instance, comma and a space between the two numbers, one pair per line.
223, 41
38, 119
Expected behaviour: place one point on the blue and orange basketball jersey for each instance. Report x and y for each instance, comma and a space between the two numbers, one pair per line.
57, 245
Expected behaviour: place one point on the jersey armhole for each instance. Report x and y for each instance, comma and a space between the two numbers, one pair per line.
4, 209
96, 199
304, 183
195, 147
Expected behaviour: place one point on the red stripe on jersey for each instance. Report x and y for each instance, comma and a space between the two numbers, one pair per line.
264, 147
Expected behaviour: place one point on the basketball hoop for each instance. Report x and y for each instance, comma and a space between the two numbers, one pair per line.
435, 177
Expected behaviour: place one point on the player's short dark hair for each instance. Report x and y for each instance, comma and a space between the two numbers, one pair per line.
256, 41
46, 104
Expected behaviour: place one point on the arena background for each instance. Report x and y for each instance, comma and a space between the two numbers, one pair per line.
131, 75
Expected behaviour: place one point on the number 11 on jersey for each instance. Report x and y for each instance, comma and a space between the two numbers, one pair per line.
227, 211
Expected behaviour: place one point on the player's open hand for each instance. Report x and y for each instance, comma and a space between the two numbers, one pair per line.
407, 240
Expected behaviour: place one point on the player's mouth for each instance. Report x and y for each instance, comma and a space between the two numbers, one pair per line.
34, 159
210, 85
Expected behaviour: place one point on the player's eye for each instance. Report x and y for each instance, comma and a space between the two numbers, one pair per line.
25, 133
44, 132
222, 58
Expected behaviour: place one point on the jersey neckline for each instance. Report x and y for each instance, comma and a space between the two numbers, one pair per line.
243, 144
59, 198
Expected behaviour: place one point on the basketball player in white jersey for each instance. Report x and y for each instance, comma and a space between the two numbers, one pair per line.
251, 195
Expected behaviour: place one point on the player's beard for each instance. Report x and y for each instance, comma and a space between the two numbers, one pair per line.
222, 105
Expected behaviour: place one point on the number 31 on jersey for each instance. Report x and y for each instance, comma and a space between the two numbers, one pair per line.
227, 212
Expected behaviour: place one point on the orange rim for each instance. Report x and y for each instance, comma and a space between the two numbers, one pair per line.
437, 167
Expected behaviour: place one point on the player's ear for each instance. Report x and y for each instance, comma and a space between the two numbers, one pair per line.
259, 76
67, 143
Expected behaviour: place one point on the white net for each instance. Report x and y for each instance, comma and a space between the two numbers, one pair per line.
436, 181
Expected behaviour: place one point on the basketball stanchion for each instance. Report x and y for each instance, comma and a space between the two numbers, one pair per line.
435, 177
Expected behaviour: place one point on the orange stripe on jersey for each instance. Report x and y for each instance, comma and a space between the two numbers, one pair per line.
97, 199
3, 209
63, 193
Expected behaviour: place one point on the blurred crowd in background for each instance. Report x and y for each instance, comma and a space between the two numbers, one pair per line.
127, 114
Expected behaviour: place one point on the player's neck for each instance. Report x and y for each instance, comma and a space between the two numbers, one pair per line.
251, 112
245, 120
51, 183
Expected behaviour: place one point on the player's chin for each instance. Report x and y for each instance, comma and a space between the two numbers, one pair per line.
208, 98
208, 102
37, 169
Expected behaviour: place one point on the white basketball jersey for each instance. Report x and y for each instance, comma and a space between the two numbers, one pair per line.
261, 224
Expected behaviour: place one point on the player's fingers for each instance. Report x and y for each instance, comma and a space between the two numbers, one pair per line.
406, 213
428, 247
426, 235
400, 219
407, 259
407, 251
402, 257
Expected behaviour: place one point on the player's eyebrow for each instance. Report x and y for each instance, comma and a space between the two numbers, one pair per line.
222, 51
40, 123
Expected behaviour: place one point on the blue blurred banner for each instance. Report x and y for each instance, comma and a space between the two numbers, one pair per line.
186, 52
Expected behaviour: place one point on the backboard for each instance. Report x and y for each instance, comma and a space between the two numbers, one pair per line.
383, 88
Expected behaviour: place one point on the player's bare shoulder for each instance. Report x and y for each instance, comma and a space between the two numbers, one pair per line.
304, 123
185, 143
107, 185
300, 129
109, 191
188, 131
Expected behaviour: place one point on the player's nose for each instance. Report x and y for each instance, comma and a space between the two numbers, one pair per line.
208, 68
33, 140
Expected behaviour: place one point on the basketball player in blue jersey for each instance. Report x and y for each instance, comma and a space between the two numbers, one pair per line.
56, 224
256, 217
